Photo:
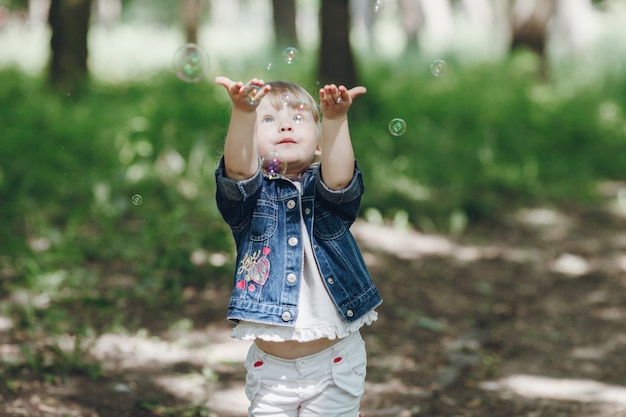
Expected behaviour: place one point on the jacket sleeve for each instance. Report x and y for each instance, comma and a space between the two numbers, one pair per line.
345, 202
236, 199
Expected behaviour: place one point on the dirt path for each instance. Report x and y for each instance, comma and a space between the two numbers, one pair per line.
528, 324
526, 319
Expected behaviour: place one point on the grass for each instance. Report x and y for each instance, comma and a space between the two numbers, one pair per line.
480, 141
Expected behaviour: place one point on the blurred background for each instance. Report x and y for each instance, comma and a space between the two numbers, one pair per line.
108, 221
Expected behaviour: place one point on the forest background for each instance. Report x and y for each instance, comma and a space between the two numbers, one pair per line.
107, 157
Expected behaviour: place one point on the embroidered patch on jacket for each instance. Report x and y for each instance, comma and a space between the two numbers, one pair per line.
256, 268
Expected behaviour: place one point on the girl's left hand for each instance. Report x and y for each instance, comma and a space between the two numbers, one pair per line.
335, 101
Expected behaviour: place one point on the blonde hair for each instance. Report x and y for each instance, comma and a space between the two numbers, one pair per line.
285, 93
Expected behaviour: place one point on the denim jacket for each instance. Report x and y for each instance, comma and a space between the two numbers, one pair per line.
264, 215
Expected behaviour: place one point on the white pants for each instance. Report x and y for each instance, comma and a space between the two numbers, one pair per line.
327, 384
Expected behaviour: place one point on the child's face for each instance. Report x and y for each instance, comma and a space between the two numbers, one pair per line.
291, 132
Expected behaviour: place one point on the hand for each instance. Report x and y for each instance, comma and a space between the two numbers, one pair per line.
335, 101
236, 90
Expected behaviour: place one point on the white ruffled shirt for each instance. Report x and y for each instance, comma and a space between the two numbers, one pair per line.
317, 318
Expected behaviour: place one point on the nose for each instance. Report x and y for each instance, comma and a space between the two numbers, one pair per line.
285, 126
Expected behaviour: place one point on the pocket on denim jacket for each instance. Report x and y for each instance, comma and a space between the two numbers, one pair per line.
328, 226
264, 220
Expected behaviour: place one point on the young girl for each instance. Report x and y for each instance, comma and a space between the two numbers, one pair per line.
301, 287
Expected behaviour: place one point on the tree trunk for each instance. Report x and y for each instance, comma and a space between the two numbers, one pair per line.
69, 23
191, 19
284, 13
336, 64
530, 26
412, 21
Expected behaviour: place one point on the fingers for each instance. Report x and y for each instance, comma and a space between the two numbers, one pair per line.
220, 79
225, 81
240, 93
253, 96
231, 86
357, 91
331, 95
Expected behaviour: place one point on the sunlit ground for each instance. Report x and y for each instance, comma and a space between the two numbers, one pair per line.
208, 349
212, 348
582, 390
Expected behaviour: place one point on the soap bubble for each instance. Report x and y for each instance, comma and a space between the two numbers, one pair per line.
377, 5
251, 93
438, 67
273, 165
290, 55
286, 99
269, 66
191, 62
301, 107
136, 199
397, 127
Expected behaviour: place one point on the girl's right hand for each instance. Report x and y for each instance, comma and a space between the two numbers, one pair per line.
239, 95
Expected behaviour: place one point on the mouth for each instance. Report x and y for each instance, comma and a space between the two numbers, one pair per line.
286, 140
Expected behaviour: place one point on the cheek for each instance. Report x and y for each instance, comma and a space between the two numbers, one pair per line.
261, 139
262, 133
263, 149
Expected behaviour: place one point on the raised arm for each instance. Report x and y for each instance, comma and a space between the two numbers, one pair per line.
240, 150
337, 153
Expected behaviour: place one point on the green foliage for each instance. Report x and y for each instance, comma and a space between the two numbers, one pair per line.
484, 140
15, 4
51, 362
75, 252
155, 407
71, 166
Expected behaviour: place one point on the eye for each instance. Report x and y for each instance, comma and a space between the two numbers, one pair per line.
298, 118
267, 119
